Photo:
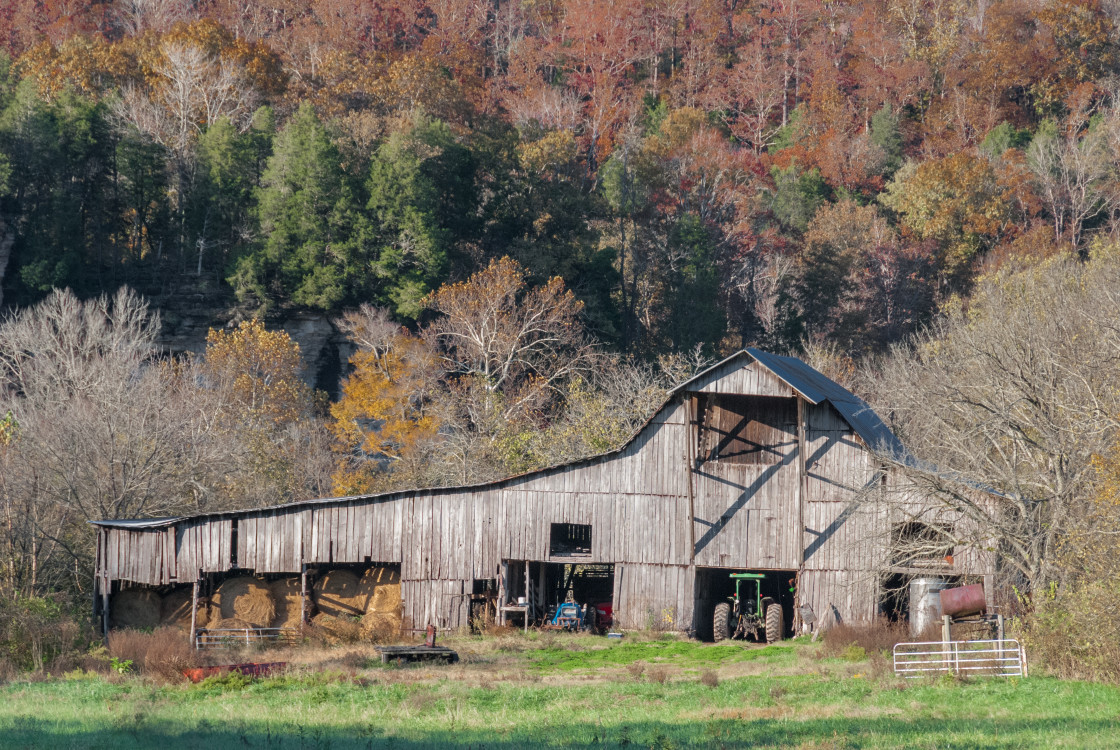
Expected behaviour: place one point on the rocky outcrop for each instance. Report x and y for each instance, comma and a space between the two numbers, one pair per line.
193, 310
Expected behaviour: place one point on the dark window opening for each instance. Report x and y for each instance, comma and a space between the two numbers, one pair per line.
920, 545
747, 429
570, 540
484, 586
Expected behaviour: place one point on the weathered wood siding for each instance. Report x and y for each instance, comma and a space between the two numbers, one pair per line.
841, 543
203, 545
141, 556
659, 597
840, 595
737, 377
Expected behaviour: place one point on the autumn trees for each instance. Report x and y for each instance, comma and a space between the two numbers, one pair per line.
657, 158
96, 426
495, 362
1014, 394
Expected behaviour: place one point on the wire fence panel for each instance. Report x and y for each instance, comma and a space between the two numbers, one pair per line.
231, 637
999, 658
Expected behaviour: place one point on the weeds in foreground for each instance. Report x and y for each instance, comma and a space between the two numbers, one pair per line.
855, 642
162, 653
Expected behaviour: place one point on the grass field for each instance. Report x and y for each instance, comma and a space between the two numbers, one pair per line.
514, 692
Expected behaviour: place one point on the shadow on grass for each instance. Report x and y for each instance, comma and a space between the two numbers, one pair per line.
840, 732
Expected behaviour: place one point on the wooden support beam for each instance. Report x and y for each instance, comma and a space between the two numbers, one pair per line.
302, 594
691, 443
194, 613
803, 483
105, 586
802, 498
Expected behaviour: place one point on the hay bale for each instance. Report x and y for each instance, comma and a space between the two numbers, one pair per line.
380, 627
336, 630
286, 594
175, 610
386, 599
248, 599
134, 608
374, 577
382, 587
339, 593
231, 623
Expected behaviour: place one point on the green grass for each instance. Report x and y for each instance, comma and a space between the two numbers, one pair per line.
557, 658
769, 697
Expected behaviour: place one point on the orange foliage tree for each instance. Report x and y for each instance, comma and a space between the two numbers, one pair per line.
384, 421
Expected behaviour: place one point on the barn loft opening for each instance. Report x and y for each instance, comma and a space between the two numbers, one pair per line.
756, 430
570, 540
921, 545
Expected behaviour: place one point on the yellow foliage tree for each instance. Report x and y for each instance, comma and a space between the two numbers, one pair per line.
383, 416
959, 201
257, 373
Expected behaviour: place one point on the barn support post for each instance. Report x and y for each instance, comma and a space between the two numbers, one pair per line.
802, 494
501, 615
194, 614
691, 449
302, 594
528, 596
97, 567
105, 585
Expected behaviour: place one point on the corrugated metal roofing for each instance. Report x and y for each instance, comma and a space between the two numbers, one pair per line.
817, 388
138, 523
811, 384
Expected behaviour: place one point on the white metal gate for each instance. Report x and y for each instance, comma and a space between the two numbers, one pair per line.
1004, 658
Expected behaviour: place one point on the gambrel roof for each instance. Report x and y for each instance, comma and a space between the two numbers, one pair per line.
802, 379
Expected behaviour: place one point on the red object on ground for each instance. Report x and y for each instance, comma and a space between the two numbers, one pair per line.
262, 669
605, 614
963, 600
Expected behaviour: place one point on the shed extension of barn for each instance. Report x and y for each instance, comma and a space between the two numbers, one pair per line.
758, 464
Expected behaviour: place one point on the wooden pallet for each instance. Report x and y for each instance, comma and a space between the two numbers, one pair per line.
417, 653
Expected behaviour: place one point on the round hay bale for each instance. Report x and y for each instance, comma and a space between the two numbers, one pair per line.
134, 608
379, 576
286, 594
336, 630
380, 627
175, 610
386, 599
231, 623
339, 593
248, 599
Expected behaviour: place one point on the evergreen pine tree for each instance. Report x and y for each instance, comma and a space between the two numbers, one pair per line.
314, 250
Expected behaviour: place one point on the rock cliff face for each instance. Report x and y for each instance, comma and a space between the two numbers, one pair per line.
189, 315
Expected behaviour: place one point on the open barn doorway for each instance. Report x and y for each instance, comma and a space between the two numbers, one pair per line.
717, 586
544, 586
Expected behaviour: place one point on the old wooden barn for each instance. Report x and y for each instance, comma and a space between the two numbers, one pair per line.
759, 464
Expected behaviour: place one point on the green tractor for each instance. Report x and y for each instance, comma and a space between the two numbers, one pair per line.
748, 613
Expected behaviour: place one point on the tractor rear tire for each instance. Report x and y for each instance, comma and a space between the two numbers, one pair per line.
775, 623
721, 622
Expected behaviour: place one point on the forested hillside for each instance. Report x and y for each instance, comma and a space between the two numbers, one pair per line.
530, 219
698, 172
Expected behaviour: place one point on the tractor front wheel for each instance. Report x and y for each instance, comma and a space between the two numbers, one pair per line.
721, 622
775, 623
